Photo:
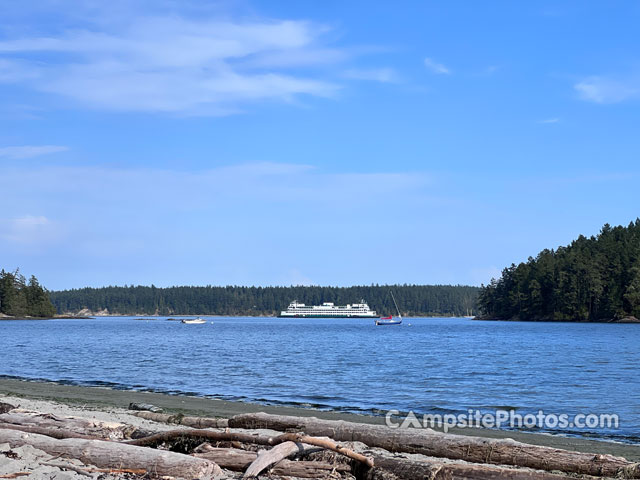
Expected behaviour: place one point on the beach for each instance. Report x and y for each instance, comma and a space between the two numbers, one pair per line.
110, 404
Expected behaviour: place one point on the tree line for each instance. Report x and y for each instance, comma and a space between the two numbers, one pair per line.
592, 279
413, 300
22, 298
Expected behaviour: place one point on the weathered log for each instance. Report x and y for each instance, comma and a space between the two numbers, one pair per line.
162, 437
410, 470
266, 458
239, 460
457, 447
145, 406
57, 433
179, 419
84, 426
106, 454
324, 443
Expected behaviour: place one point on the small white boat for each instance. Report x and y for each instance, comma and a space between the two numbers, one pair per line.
195, 321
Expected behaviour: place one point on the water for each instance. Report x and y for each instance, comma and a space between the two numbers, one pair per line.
434, 365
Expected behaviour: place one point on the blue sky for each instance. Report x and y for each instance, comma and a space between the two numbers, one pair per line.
332, 143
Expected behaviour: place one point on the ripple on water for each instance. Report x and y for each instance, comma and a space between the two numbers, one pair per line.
444, 366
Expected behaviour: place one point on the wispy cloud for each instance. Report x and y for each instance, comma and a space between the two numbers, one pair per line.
29, 151
549, 120
604, 89
256, 182
435, 67
382, 75
27, 230
174, 64
238, 197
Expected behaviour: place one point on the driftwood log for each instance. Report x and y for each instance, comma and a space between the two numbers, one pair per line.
456, 447
57, 433
239, 460
266, 458
171, 435
399, 468
406, 469
324, 443
83, 426
162, 437
145, 406
116, 455
194, 422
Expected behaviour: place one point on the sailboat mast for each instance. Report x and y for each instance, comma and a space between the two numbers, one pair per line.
394, 302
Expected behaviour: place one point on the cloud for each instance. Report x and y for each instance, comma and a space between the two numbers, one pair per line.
255, 183
128, 211
549, 120
382, 75
14, 71
29, 151
435, 67
28, 230
602, 89
174, 64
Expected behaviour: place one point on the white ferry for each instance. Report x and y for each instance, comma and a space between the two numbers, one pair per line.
329, 310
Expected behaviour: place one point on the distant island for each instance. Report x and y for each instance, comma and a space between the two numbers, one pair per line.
414, 300
20, 298
595, 279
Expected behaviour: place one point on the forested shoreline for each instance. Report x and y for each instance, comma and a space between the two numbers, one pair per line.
414, 300
20, 298
593, 279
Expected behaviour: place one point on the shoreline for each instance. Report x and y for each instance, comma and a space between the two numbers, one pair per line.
70, 316
103, 398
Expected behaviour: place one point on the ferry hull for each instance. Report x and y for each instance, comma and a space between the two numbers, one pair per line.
328, 310
325, 316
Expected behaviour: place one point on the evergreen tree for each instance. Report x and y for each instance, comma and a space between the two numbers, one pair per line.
19, 299
596, 278
419, 300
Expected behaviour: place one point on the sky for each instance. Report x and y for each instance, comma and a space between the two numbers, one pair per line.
292, 143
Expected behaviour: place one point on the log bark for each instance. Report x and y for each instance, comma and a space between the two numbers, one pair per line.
106, 454
239, 460
57, 433
162, 437
84, 426
411, 470
194, 422
458, 447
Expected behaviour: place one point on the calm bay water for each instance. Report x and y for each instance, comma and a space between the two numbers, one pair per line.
431, 366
